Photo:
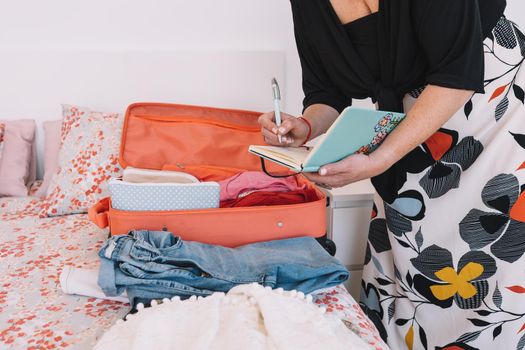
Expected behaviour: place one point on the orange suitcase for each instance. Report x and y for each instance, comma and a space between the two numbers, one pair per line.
211, 144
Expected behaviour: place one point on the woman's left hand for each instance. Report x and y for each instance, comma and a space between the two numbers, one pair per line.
353, 168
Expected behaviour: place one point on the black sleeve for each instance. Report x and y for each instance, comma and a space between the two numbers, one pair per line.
450, 35
316, 84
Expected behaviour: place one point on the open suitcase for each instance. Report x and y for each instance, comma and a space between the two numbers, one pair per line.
211, 144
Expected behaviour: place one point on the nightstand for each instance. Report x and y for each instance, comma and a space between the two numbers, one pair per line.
348, 217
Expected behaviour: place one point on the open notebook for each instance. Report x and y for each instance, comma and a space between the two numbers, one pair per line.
356, 130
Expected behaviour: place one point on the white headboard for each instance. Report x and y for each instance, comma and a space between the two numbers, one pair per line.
35, 82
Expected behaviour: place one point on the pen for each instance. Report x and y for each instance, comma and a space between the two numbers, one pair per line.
276, 104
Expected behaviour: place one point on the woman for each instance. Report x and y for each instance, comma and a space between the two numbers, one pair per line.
445, 256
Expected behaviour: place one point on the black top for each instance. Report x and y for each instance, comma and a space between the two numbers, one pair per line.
363, 35
437, 42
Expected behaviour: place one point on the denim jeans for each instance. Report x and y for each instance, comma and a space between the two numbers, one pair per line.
156, 264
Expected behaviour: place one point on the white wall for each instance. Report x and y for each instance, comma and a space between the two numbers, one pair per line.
165, 24
156, 24
171, 25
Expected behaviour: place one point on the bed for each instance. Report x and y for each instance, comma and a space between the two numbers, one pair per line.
36, 314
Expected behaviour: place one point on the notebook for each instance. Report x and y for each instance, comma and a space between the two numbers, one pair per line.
356, 130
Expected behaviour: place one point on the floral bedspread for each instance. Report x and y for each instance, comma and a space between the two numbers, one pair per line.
36, 314
13, 205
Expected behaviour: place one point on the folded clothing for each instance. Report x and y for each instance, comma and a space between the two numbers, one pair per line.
163, 196
251, 181
156, 265
272, 198
83, 282
248, 317
137, 175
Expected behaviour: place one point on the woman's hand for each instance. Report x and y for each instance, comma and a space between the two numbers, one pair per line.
353, 168
293, 130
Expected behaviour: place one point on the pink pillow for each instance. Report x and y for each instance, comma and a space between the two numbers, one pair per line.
16, 167
88, 158
51, 149
2, 133
31, 177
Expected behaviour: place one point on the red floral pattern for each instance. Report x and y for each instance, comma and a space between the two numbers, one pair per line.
338, 301
88, 159
35, 314
16, 205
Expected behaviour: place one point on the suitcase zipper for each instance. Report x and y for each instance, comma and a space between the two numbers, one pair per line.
198, 121
214, 210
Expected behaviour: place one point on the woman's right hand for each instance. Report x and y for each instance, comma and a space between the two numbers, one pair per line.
293, 131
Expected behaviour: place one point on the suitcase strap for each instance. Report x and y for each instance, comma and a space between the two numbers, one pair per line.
98, 213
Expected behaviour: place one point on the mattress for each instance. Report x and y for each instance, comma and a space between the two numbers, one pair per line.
35, 313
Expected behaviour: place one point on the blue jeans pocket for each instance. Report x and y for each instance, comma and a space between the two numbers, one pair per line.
158, 271
133, 271
143, 252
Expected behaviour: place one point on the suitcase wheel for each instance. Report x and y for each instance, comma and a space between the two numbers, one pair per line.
329, 246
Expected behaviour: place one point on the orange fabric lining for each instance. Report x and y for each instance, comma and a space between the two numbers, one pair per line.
176, 137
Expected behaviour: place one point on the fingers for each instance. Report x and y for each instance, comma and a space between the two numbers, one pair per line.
288, 130
270, 130
314, 177
333, 169
287, 125
327, 181
267, 122
295, 130
344, 166
349, 170
333, 181
270, 138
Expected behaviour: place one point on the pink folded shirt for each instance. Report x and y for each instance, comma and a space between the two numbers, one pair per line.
248, 182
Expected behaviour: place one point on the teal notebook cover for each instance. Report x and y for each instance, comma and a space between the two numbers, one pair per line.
355, 130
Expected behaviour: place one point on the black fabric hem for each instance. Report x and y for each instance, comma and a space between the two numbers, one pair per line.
325, 100
455, 82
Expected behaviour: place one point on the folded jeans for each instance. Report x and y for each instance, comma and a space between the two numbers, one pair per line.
156, 264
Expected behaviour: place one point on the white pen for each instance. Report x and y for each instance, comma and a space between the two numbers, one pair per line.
276, 105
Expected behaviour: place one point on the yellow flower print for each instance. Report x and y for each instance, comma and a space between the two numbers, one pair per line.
457, 282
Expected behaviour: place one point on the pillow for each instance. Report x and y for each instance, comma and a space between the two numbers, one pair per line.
88, 158
31, 177
52, 140
2, 132
16, 165
34, 188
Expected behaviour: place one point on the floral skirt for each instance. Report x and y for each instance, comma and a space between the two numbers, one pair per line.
445, 264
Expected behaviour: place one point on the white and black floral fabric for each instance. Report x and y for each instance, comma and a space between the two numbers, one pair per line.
445, 258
